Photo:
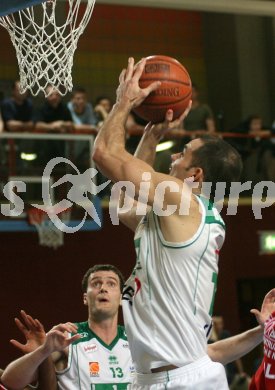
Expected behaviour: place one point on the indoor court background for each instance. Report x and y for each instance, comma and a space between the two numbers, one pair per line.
231, 57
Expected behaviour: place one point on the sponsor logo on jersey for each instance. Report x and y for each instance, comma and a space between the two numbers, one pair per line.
94, 369
113, 359
125, 345
90, 348
83, 335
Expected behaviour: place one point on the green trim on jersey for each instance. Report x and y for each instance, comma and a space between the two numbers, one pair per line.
137, 249
78, 371
198, 271
110, 386
212, 214
174, 245
88, 334
146, 265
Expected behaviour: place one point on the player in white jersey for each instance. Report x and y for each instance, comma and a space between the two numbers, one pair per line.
23, 370
101, 358
167, 301
170, 287
94, 365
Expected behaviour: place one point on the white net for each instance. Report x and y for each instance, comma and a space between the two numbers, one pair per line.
49, 235
45, 45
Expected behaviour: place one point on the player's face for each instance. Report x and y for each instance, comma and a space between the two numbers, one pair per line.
181, 166
103, 295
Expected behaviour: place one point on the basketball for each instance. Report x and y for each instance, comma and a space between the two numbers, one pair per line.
174, 93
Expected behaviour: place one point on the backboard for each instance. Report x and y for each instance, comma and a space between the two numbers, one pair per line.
10, 6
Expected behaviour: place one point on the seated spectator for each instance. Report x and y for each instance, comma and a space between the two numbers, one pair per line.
53, 115
103, 106
82, 112
17, 117
199, 121
253, 149
200, 118
17, 110
84, 120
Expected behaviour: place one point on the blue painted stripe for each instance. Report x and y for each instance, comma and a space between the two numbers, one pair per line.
24, 226
9, 6
10, 225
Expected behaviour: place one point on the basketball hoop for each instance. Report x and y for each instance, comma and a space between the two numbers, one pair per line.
49, 235
45, 48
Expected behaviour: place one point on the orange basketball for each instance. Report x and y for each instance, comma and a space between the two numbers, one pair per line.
175, 90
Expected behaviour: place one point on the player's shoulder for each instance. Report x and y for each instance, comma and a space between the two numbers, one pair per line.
212, 216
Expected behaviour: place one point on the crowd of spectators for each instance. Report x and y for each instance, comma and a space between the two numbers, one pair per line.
77, 115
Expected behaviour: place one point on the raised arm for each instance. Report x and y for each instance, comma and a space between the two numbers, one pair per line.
35, 336
22, 371
33, 331
232, 348
153, 133
146, 151
109, 148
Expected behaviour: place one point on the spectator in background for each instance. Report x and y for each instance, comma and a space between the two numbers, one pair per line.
220, 333
199, 121
103, 106
17, 113
254, 149
82, 112
17, 110
84, 120
200, 118
53, 115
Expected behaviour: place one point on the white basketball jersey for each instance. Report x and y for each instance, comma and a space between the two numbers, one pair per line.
93, 365
168, 299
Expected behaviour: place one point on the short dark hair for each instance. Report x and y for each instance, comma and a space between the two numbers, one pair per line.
102, 267
219, 160
13, 84
102, 97
78, 89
